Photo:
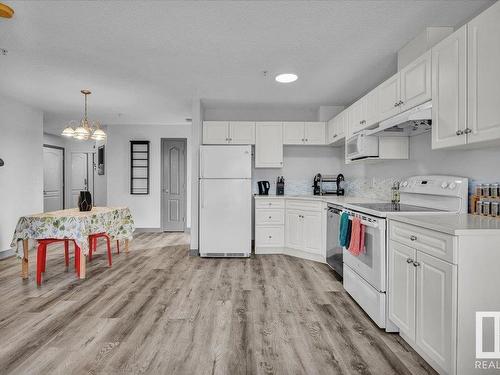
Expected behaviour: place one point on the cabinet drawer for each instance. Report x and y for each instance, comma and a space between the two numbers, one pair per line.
269, 216
303, 205
269, 203
438, 244
270, 236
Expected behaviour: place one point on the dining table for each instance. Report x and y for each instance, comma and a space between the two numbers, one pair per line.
72, 224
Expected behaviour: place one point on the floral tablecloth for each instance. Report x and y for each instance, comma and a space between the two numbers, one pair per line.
117, 222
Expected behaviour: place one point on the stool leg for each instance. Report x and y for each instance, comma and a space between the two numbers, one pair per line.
91, 245
44, 257
39, 255
66, 253
77, 260
118, 246
108, 242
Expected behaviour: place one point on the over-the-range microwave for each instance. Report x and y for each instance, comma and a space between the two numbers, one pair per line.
361, 146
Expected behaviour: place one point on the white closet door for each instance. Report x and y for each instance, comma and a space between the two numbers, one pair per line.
53, 186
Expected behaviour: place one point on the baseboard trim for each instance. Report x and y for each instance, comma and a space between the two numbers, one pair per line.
148, 230
194, 253
7, 254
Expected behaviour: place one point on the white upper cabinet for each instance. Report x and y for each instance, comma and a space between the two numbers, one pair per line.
356, 115
389, 97
228, 132
484, 76
416, 82
315, 132
268, 145
293, 133
372, 115
449, 90
242, 132
336, 128
215, 132
304, 133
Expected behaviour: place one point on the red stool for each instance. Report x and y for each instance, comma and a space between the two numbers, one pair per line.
41, 256
93, 245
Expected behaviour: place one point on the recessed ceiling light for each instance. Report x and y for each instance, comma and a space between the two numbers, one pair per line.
286, 77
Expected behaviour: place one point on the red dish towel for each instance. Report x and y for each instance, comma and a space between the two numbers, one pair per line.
357, 244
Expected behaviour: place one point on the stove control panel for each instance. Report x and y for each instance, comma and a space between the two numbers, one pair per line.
435, 185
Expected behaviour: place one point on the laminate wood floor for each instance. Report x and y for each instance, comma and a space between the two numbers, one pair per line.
159, 311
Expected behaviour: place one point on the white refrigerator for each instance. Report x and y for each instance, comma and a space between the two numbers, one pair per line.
225, 201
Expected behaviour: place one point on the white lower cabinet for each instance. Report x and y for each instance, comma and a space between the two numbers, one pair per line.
423, 300
299, 224
402, 288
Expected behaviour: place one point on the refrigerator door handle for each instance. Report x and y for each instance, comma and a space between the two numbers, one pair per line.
202, 196
202, 164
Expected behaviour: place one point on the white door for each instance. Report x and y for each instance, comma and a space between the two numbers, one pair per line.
173, 185
268, 145
225, 216
416, 82
389, 97
242, 132
53, 184
401, 288
225, 162
293, 133
311, 222
294, 230
372, 108
484, 76
79, 176
436, 307
215, 132
449, 90
314, 133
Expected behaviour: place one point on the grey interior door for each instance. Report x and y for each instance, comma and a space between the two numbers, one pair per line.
53, 178
82, 175
173, 185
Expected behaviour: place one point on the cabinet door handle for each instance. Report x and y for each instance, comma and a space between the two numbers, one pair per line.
467, 130
396, 104
270, 217
270, 236
400, 102
409, 260
413, 238
459, 132
416, 264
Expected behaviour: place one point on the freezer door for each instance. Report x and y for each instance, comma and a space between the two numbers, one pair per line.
225, 217
225, 161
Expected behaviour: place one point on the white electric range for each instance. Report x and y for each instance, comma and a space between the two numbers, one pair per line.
365, 276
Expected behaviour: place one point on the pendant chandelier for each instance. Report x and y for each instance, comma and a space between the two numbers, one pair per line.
84, 129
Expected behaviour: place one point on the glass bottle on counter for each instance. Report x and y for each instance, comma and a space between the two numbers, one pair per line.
479, 190
395, 195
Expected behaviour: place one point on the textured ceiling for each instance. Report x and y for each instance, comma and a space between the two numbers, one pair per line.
147, 60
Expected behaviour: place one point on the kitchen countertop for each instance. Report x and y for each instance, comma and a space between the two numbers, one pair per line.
334, 199
454, 224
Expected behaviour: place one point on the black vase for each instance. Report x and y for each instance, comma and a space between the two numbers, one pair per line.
85, 201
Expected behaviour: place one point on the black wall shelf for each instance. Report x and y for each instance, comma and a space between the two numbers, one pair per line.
139, 167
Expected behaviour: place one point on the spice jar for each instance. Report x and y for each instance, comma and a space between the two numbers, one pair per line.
494, 193
486, 190
479, 190
486, 208
479, 207
495, 206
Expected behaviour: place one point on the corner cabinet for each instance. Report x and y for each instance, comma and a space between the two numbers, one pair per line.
269, 145
229, 132
294, 227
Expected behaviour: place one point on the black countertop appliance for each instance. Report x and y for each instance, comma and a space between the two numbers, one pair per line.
263, 187
280, 186
323, 184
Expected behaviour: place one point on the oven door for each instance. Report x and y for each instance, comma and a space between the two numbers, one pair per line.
370, 264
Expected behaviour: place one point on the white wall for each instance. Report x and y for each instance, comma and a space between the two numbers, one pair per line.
300, 164
481, 165
146, 209
21, 178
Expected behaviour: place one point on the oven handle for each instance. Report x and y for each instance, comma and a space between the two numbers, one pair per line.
372, 224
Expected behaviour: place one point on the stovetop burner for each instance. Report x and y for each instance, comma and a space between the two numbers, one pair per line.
394, 207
